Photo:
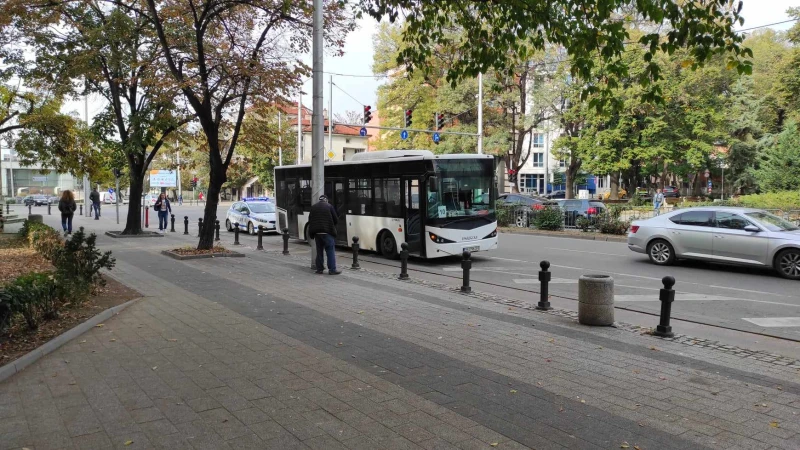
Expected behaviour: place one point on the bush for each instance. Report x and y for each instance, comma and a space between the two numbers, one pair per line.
549, 218
79, 261
33, 295
583, 223
505, 215
613, 226
6, 309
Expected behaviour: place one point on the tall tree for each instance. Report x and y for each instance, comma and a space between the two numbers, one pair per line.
779, 161
112, 49
224, 54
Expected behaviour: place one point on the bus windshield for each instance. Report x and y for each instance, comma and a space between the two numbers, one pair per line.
461, 188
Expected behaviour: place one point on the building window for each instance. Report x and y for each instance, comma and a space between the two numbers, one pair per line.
531, 182
562, 163
347, 140
538, 159
601, 182
538, 140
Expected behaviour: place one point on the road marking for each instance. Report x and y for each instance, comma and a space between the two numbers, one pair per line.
584, 251
507, 259
683, 297
775, 322
536, 281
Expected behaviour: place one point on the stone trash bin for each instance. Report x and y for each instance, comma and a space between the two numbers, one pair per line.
35, 218
596, 300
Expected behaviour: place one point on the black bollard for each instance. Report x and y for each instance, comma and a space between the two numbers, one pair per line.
544, 279
48, 209
236, 233
285, 241
185, 224
403, 261
8, 209
81, 208
466, 264
216, 229
30, 205
260, 245
172, 223
200, 226
356, 246
667, 296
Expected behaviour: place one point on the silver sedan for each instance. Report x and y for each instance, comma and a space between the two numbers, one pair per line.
722, 235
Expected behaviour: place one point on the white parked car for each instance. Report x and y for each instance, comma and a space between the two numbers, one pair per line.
249, 214
739, 236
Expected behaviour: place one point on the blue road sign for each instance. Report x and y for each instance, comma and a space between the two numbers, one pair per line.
436, 137
404, 134
110, 190
362, 131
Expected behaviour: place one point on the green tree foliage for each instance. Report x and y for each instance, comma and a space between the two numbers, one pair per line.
779, 161
497, 35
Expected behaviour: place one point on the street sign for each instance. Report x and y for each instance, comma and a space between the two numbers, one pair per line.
362, 132
436, 137
707, 174
404, 135
110, 190
331, 154
44, 178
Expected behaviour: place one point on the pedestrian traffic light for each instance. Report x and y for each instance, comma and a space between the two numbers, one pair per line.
117, 172
194, 182
512, 175
409, 113
439, 121
367, 114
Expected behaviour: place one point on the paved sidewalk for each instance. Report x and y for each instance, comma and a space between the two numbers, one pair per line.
259, 352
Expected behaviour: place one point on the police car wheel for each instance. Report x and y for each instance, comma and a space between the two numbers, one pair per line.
250, 229
228, 225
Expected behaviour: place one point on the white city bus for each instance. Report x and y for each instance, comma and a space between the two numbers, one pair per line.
439, 205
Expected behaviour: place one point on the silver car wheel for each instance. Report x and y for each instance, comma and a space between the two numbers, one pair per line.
522, 219
790, 264
660, 252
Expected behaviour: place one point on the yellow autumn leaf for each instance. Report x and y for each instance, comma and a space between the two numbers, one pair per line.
493, 444
624, 445
361, 312
127, 443
99, 325
774, 424
513, 391
686, 63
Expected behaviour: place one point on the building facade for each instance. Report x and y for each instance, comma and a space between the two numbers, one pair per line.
346, 140
17, 181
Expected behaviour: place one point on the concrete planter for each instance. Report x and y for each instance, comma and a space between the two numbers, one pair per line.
596, 300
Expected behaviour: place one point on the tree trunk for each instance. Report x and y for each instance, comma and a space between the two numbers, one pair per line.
614, 185
217, 178
133, 223
571, 174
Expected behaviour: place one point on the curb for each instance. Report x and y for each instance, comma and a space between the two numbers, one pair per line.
146, 234
174, 255
582, 236
52, 345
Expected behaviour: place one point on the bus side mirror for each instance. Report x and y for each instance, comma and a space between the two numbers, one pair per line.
432, 184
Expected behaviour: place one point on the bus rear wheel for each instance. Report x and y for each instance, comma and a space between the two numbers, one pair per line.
388, 245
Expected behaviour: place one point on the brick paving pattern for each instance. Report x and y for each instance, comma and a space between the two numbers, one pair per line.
259, 352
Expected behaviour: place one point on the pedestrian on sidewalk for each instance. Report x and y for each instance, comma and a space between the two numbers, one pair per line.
95, 198
164, 209
180, 199
658, 200
322, 227
67, 207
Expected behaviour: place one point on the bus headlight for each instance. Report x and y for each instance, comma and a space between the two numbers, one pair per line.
492, 234
439, 239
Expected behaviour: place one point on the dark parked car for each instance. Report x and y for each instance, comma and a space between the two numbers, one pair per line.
35, 200
576, 208
524, 201
671, 192
557, 194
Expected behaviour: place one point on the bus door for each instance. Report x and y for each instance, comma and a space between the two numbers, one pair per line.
290, 199
412, 215
334, 190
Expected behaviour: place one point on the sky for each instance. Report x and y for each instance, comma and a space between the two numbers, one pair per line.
352, 71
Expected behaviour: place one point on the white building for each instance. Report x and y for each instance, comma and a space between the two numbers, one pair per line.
17, 180
536, 175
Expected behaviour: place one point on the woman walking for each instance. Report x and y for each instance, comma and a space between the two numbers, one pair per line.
67, 207
164, 209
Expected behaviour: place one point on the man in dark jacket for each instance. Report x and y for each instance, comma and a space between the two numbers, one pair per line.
322, 227
95, 198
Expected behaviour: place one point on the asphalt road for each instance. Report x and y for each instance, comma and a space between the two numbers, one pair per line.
745, 299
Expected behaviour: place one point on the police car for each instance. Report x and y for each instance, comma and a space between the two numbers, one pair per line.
250, 213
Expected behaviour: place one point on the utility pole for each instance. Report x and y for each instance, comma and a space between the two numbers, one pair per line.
280, 141
330, 118
317, 125
480, 113
299, 127
86, 209
178, 153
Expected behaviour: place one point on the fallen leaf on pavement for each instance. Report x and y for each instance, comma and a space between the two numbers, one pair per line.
774, 424
624, 445
83, 341
583, 401
662, 378
551, 340
654, 349
513, 391
361, 312
155, 367
127, 443
112, 340
99, 325
636, 447
493, 444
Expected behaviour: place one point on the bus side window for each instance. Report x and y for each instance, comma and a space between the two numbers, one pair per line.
359, 199
305, 193
387, 197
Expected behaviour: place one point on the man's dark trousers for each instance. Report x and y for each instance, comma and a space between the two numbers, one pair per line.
96, 207
327, 243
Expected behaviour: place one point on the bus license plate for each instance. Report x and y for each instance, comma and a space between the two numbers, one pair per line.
474, 248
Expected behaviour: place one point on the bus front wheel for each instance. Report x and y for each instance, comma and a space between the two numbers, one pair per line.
388, 245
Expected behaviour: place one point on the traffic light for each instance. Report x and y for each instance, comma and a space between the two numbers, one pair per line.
194, 182
409, 112
367, 114
117, 172
439, 121
512, 175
